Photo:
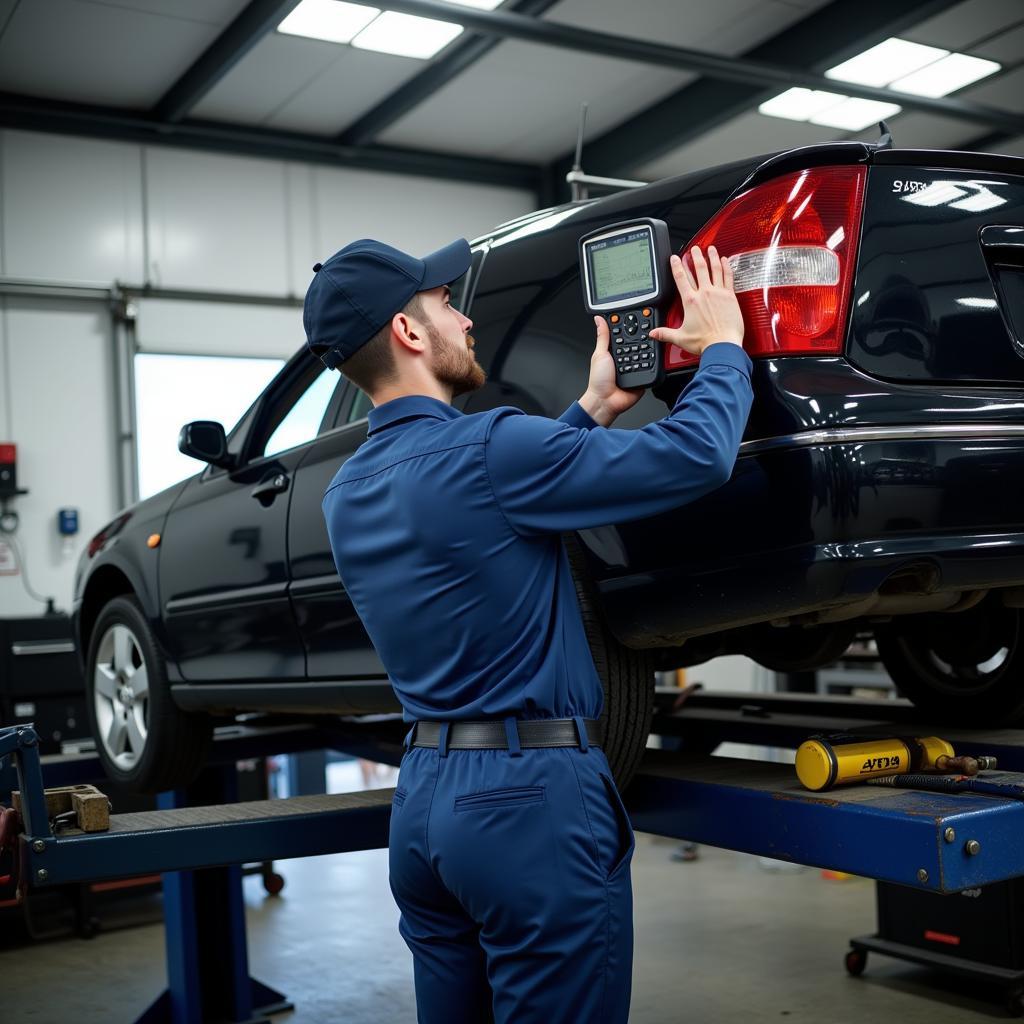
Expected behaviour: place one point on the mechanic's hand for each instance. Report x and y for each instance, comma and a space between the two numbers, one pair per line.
710, 310
604, 399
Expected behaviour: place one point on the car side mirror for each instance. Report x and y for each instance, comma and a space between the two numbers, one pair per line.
205, 440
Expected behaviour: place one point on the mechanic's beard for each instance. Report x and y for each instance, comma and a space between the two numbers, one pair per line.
455, 364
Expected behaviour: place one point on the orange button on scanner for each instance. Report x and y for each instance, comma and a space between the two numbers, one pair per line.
614, 318
153, 540
646, 312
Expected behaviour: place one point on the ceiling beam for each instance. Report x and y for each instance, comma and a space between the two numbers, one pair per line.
744, 71
825, 38
990, 142
420, 88
52, 116
248, 28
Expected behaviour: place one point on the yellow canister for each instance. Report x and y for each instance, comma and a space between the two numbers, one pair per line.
822, 763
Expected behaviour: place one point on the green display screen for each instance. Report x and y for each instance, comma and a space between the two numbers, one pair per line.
621, 267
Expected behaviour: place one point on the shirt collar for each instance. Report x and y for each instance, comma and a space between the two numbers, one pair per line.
409, 407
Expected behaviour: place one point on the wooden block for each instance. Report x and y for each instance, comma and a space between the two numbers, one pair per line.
91, 807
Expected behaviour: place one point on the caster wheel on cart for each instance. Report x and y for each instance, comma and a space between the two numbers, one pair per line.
273, 883
856, 960
1015, 1003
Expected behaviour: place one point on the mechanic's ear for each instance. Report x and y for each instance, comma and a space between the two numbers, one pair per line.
407, 331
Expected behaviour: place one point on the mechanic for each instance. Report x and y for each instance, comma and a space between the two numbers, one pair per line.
510, 848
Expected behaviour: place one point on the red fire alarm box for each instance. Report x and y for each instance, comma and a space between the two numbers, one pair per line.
8, 470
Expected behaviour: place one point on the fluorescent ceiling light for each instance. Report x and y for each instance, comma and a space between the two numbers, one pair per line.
938, 193
983, 199
882, 63
332, 20
947, 75
800, 104
406, 35
855, 114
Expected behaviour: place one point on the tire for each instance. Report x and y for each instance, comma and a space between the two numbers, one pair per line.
964, 668
144, 741
627, 677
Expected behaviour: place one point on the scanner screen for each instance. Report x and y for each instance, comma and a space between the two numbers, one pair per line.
621, 267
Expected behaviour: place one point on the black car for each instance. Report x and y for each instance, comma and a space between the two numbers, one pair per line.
879, 488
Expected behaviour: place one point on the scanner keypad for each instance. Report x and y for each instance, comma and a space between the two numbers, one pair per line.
633, 349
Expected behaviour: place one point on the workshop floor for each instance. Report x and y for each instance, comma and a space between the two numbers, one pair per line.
724, 938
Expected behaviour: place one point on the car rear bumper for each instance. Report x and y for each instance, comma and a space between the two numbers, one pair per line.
822, 520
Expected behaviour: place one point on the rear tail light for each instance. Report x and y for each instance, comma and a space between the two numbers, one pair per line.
792, 244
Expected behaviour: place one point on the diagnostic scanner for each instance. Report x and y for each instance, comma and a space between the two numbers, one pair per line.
626, 279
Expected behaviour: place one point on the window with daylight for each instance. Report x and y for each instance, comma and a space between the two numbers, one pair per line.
172, 390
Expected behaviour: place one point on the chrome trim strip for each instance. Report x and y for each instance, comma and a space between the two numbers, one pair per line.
329, 583
228, 598
854, 435
22, 647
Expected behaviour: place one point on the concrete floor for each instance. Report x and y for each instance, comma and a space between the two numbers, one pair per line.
725, 938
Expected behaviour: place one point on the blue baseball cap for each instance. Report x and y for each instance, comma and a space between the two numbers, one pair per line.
361, 287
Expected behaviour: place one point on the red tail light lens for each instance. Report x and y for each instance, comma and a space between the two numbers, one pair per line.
792, 244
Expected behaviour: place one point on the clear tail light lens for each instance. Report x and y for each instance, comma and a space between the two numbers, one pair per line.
792, 243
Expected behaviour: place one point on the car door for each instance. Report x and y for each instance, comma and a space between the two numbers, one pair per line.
337, 646
223, 561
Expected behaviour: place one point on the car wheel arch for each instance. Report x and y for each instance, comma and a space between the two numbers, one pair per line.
105, 583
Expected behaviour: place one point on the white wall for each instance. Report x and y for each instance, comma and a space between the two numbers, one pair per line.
83, 211
731, 673
734, 673
93, 212
72, 209
58, 409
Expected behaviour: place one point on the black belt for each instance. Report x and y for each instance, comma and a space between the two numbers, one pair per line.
533, 732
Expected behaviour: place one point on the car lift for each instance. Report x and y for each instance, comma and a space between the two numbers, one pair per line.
199, 838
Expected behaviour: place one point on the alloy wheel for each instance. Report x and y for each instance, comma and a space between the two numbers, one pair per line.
965, 653
121, 696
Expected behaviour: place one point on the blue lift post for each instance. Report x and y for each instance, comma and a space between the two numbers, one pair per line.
204, 917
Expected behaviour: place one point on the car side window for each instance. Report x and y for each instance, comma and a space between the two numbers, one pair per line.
304, 420
463, 287
361, 405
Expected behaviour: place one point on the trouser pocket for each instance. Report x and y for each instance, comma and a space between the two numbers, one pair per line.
626, 837
506, 797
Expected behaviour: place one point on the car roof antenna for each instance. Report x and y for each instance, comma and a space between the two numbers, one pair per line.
577, 186
885, 140
579, 182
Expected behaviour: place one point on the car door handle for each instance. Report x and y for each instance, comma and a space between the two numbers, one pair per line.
267, 489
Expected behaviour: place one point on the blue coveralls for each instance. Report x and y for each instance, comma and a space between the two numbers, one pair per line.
510, 868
